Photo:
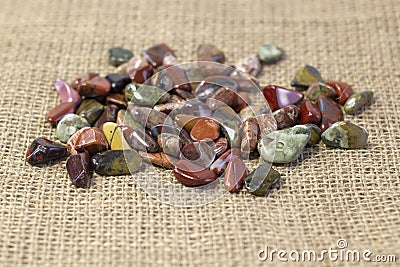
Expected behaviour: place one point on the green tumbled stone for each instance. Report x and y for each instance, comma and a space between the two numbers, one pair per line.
269, 53
306, 76
345, 135
118, 56
317, 89
316, 132
145, 95
116, 162
357, 101
91, 110
284, 146
69, 125
260, 181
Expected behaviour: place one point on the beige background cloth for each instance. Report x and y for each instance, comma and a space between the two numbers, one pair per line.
328, 194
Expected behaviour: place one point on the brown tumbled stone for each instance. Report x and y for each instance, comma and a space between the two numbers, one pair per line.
235, 174
97, 86
89, 139
57, 113
185, 176
78, 168
205, 129
287, 116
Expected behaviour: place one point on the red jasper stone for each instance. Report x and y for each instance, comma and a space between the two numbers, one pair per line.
185, 176
78, 168
205, 129
219, 166
235, 174
97, 86
91, 140
342, 89
57, 113
155, 55
42, 150
279, 97
330, 112
309, 113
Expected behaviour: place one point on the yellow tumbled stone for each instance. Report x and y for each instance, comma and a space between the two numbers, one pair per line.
113, 134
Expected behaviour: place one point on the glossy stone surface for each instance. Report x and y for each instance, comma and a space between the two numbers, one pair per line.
118, 82
171, 144
158, 159
155, 55
269, 53
287, 116
250, 65
167, 107
243, 100
345, 135
169, 77
139, 70
266, 123
186, 121
262, 180
342, 89
185, 176
78, 168
140, 139
358, 101
330, 112
116, 162
202, 154
279, 97
146, 95
209, 52
156, 130
182, 93
205, 129
109, 115
147, 116
89, 139
305, 76
309, 113
222, 97
113, 134
66, 92
97, 86
220, 146
210, 84
195, 76
69, 125
91, 110
235, 174
117, 99
219, 166
316, 132
250, 133
42, 150
118, 56
231, 129
284, 146
194, 108
317, 89
84, 77
58, 112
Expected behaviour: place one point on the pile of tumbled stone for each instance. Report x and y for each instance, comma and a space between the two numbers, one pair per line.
115, 124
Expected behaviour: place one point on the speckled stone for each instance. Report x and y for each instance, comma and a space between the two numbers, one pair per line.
250, 133
305, 77
116, 162
158, 159
89, 139
118, 56
345, 135
97, 86
284, 146
140, 139
146, 116
145, 95
170, 143
69, 125
269, 53
262, 180
250, 65
358, 101
287, 116
317, 89
222, 97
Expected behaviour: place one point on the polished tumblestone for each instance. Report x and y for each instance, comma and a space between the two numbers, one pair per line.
155, 55
146, 116
116, 162
140, 139
287, 116
184, 174
342, 89
269, 53
316, 132
309, 113
118, 82
118, 56
66, 93
306, 76
209, 52
260, 181
158, 159
319, 88
78, 168
91, 110
331, 112
345, 135
97, 86
250, 133
205, 129
89, 139
250, 65
279, 97
113, 134
146, 95
42, 150
235, 174
284, 146
58, 112
358, 101
69, 125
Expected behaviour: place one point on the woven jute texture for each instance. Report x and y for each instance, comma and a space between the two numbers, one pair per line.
328, 194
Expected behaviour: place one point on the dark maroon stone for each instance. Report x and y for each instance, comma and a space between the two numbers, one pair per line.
185, 176
235, 174
342, 89
42, 150
331, 112
78, 168
309, 113
219, 166
141, 74
155, 54
279, 97
58, 112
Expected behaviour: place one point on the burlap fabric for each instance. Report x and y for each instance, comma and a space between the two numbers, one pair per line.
328, 194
